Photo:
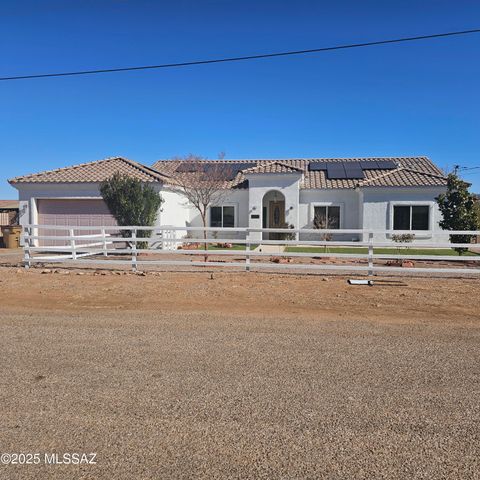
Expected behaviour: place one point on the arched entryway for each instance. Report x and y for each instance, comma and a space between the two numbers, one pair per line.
273, 213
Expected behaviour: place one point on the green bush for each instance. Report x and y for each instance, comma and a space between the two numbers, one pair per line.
131, 202
458, 209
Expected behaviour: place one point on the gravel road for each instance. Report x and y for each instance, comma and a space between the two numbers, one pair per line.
177, 394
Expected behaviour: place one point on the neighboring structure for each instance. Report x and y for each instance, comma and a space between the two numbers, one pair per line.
8, 213
348, 193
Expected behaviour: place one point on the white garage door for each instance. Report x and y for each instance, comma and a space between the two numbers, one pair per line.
72, 213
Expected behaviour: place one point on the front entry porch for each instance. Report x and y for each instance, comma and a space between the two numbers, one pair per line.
273, 213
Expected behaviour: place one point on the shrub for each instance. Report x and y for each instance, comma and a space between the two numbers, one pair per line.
458, 209
131, 202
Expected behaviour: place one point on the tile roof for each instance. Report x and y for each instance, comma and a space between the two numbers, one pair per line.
272, 167
93, 172
410, 172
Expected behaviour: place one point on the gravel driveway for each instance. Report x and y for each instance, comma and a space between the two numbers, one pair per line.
165, 395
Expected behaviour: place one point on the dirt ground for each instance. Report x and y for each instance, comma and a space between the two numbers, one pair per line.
243, 375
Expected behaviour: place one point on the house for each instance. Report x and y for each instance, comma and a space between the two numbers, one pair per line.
343, 193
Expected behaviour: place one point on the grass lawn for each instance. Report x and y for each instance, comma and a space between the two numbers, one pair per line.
360, 250
234, 247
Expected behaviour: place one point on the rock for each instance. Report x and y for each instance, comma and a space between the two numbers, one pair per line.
80, 273
325, 279
46, 270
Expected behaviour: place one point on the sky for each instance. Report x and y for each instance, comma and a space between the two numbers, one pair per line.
419, 98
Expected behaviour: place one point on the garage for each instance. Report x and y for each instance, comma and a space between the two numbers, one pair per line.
71, 197
72, 213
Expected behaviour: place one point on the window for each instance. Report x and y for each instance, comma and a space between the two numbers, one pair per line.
326, 217
411, 217
223, 216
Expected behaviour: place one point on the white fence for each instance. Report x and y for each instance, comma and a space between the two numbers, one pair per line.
248, 252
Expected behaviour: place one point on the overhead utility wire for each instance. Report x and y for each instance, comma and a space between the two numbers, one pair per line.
459, 168
237, 59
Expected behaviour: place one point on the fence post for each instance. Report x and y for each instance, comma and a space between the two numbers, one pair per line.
370, 254
247, 251
26, 247
104, 243
134, 250
72, 244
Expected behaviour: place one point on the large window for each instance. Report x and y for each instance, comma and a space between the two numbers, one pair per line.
326, 216
411, 217
223, 216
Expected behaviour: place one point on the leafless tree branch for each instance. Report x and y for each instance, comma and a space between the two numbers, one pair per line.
203, 183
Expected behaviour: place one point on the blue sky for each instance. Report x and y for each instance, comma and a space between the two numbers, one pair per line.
408, 99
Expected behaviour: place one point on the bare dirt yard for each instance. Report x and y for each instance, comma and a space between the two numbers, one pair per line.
243, 375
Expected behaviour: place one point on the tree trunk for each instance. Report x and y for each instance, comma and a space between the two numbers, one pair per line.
205, 245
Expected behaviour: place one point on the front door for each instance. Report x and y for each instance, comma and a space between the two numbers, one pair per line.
276, 218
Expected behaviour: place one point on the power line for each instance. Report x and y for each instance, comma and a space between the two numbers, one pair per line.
467, 171
237, 59
459, 168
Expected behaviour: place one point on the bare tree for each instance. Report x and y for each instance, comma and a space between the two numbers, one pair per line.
203, 183
320, 223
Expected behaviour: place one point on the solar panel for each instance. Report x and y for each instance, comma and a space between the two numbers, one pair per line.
317, 166
336, 171
230, 170
209, 167
378, 164
353, 170
189, 167
368, 165
386, 164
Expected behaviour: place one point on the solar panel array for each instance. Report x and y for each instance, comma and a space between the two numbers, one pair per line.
230, 169
350, 170
334, 170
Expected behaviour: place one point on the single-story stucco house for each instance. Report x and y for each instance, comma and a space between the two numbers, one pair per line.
347, 193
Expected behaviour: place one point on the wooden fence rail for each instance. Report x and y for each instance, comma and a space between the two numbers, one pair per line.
116, 245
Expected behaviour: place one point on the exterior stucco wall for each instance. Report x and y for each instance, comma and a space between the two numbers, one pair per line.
378, 207
348, 200
369, 208
175, 210
260, 185
236, 198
